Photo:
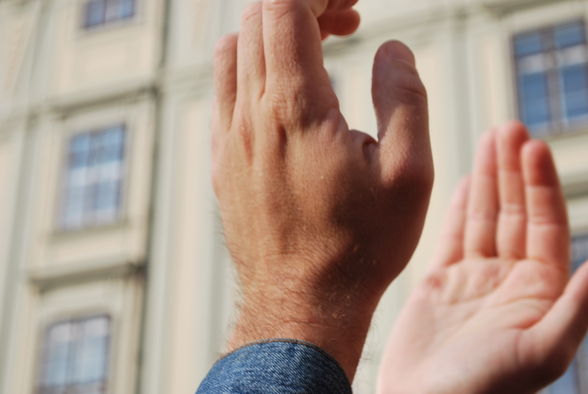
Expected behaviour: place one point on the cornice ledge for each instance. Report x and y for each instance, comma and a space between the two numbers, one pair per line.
575, 185
107, 93
59, 275
193, 78
502, 7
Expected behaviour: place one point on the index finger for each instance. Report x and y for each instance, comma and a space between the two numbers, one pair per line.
293, 51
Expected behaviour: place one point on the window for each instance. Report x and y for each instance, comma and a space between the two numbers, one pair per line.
75, 357
572, 382
579, 251
101, 12
93, 181
552, 78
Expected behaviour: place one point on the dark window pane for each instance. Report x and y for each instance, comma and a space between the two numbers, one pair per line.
127, 8
75, 201
76, 357
579, 250
569, 35
113, 144
91, 356
575, 90
535, 99
528, 44
569, 382
99, 148
552, 77
107, 196
57, 355
99, 12
95, 12
79, 151
93, 181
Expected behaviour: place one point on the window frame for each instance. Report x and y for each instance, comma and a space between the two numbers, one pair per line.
558, 127
63, 192
43, 350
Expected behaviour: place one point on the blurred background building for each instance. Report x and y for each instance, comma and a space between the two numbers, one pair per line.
113, 274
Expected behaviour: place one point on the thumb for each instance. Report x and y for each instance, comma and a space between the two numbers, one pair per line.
556, 338
400, 102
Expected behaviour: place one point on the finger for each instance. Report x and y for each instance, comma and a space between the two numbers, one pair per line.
512, 221
450, 249
480, 236
548, 236
294, 60
555, 339
340, 23
400, 102
225, 81
251, 67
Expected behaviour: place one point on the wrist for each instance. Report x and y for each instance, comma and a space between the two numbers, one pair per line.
338, 323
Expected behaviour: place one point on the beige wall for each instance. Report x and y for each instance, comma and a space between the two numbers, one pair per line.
162, 271
92, 59
58, 79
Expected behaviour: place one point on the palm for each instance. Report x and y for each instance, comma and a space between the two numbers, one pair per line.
492, 316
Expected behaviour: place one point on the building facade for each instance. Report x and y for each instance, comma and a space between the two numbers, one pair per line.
113, 274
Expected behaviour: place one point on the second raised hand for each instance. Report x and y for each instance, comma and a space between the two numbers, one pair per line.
496, 314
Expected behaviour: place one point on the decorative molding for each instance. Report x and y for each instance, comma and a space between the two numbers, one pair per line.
123, 90
59, 275
504, 7
123, 223
575, 185
194, 78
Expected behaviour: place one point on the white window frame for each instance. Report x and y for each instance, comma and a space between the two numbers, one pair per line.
91, 218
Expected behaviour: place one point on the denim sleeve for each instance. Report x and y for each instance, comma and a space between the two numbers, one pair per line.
277, 366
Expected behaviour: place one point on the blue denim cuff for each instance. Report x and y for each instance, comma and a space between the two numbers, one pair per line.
276, 366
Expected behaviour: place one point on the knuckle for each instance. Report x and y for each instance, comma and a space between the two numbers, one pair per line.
298, 103
414, 184
244, 138
479, 215
282, 7
283, 106
417, 175
513, 209
275, 105
411, 87
252, 12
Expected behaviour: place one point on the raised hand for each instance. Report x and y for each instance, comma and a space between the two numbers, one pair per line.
312, 210
496, 314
